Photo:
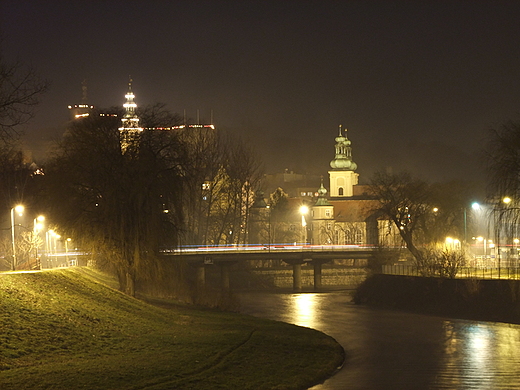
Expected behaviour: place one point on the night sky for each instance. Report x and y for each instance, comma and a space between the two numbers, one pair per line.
416, 83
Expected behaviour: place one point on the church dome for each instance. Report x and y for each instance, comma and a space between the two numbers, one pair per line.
343, 164
343, 159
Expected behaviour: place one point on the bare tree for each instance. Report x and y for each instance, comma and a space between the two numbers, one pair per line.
425, 215
282, 230
20, 91
219, 174
157, 116
405, 201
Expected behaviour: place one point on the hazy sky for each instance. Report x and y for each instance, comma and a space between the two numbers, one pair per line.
416, 83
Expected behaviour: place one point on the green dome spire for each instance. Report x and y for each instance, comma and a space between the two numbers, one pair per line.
343, 160
322, 196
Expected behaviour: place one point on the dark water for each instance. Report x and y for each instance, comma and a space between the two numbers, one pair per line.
394, 350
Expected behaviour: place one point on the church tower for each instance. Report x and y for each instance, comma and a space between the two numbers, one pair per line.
322, 219
342, 176
130, 130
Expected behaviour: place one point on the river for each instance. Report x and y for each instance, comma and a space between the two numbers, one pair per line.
396, 350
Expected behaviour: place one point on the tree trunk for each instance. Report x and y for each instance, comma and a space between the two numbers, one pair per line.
130, 284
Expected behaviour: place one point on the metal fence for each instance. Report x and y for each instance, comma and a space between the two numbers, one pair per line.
463, 272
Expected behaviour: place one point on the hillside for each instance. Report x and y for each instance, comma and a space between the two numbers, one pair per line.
62, 329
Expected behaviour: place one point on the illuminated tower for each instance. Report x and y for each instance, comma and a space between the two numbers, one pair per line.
130, 130
342, 176
81, 110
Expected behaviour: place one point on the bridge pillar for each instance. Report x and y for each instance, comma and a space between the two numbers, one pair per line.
201, 277
297, 277
224, 276
317, 275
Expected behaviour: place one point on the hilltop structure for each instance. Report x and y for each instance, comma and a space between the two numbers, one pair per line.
84, 109
130, 130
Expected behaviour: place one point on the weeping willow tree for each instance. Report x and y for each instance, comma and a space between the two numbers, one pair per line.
503, 166
124, 206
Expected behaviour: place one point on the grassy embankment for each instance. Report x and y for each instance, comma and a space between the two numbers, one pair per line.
63, 329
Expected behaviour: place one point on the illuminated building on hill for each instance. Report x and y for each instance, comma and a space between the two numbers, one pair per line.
81, 110
129, 130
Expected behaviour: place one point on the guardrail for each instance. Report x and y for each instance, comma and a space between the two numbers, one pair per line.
463, 272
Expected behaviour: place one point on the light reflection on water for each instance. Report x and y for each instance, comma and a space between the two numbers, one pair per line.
481, 355
396, 350
304, 310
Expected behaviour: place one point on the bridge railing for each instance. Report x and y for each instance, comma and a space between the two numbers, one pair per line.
269, 248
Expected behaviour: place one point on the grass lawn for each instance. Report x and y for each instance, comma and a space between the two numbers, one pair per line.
62, 329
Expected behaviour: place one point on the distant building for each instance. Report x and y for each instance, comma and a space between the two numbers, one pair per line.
81, 110
347, 215
130, 130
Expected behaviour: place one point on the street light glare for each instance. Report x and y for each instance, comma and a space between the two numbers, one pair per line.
19, 209
475, 206
304, 209
506, 200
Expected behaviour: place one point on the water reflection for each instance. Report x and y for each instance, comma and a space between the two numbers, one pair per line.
395, 350
480, 355
304, 310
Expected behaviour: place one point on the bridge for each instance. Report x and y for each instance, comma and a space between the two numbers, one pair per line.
293, 254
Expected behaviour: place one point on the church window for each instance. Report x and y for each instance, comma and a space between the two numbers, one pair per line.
358, 237
327, 213
340, 191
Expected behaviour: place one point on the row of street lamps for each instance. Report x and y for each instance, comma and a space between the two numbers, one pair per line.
38, 227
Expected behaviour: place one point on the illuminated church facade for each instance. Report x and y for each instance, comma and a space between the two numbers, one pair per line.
345, 215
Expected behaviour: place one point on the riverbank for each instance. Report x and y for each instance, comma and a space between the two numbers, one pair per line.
62, 329
476, 299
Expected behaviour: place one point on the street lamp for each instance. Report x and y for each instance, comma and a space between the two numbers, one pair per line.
303, 211
475, 206
19, 209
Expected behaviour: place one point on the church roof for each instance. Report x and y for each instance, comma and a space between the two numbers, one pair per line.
354, 210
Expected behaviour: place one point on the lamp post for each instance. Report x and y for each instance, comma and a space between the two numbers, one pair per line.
515, 255
303, 211
19, 209
67, 250
483, 240
269, 226
51, 246
37, 228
